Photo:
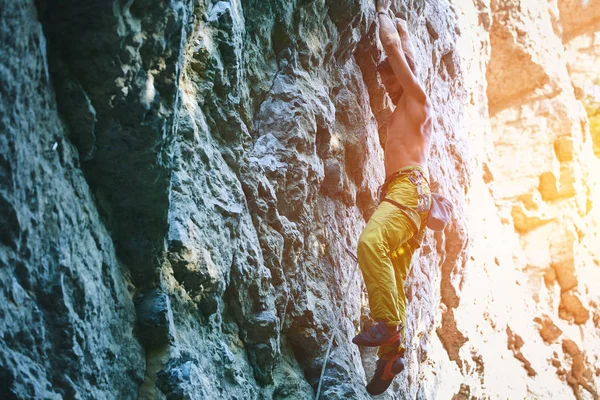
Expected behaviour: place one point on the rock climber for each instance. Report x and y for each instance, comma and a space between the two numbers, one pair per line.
396, 228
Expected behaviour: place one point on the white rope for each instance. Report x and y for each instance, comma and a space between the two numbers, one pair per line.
335, 327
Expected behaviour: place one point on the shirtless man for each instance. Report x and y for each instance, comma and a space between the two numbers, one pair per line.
396, 228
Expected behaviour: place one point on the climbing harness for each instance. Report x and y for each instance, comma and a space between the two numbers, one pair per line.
440, 207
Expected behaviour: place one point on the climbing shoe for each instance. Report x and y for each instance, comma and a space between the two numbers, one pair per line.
387, 368
380, 334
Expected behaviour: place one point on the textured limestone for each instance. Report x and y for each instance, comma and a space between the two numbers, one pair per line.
538, 235
67, 313
124, 60
578, 17
154, 318
226, 154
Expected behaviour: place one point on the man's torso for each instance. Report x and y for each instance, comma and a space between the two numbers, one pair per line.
408, 135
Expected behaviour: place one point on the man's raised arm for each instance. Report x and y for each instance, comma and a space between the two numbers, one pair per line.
407, 47
392, 44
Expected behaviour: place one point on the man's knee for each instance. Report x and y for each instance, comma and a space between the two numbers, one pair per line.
370, 244
363, 246
368, 238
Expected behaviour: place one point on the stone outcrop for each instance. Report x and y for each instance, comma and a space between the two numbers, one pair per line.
181, 183
67, 312
538, 269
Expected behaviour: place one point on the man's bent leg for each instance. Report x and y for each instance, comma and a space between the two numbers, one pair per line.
405, 192
388, 228
401, 260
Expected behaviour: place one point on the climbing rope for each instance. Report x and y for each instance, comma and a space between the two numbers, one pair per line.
335, 327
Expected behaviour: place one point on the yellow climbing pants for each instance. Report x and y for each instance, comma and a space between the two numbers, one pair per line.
386, 247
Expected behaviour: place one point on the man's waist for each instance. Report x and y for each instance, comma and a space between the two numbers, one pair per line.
406, 171
413, 175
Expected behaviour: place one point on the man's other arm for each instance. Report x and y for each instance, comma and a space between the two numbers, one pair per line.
390, 39
407, 47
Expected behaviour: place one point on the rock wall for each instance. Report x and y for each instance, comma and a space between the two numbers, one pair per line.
529, 290
182, 183
67, 312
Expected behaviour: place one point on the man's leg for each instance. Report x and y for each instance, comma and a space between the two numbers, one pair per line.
401, 259
405, 192
388, 228
390, 360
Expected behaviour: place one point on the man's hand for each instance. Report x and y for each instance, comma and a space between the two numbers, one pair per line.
383, 6
401, 26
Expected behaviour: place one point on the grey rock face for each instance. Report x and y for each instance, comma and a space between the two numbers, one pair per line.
67, 314
226, 154
115, 68
154, 318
